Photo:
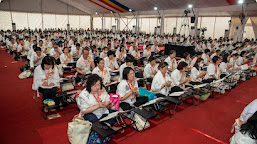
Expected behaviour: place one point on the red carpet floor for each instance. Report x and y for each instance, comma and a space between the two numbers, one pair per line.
207, 123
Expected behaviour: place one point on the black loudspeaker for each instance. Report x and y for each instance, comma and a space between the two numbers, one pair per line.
192, 19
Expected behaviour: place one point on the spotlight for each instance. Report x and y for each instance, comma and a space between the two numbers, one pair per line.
130, 10
111, 11
96, 12
190, 6
155, 8
240, 1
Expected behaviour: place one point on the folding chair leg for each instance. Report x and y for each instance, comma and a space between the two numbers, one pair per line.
174, 109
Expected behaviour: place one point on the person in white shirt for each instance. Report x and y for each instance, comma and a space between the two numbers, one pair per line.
135, 53
233, 61
255, 59
213, 71
147, 51
128, 90
198, 55
216, 54
55, 52
66, 57
205, 56
94, 101
36, 58
76, 52
150, 69
103, 54
102, 71
242, 58
155, 48
145, 45
85, 63
129, 63
111, 61
121, 54
22, 48
225, 66
247, 133
171, 61
178, 76
197, 74
46, 75
162, 82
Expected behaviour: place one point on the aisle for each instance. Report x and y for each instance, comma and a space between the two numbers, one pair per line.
208, 123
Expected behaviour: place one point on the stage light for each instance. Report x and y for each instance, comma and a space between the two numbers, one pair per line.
130, 10
96, 12
241, 1
190, 6
111, 11
155, 8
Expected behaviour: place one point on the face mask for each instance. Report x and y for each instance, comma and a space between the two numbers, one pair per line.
201, 65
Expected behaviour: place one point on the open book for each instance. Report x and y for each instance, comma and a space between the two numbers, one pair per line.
177, 94
152, 102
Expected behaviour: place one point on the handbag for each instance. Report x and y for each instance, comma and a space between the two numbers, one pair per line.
25, 74
141, 122
79, 130
144, 92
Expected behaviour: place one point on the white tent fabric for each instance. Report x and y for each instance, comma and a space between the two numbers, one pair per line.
123, 23
84, 22
254, 25
169, 24
6, 22
35, 20
209, 23
48, 21
220, 26
97, 23
248, 31
74, 21
61, 21
20, 19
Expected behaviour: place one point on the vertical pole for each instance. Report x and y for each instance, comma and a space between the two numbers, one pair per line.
137, 24
196, 21
162, 22
244, 11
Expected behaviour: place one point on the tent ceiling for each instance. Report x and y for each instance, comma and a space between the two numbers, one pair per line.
144, 7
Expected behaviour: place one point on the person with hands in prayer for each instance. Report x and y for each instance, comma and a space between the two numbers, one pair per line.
171, 61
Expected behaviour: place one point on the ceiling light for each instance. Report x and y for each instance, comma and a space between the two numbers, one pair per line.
96, 12
130, 10
155, 8
241, 1
111, 11
190, 6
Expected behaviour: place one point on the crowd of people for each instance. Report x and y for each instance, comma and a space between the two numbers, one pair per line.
102, 53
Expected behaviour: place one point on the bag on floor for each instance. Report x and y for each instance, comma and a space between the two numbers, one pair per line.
24, 68
79, 130
141, 122
202, 95
95, 138
25, 74
115, 101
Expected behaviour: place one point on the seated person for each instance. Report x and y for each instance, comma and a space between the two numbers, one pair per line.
147, 51
128, 90
155, 47
171, 61
186, 58
197, 73
66, 57
179, 78
103, 54
121, 54
76, 52
135, 53
233, 61
102, 71
213, 71
162, 82
128, 63
111, 61
22, 49
46, 75
56, 52
94, 101
216, 54
150, 69
36, 58
205, 56
225, 66
242, 58
84, 65
247, 133
198, 55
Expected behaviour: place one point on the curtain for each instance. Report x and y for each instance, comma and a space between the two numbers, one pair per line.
6, 22
169, 24
20, 19
248, 30
97, 23
152, 24
48, 21
220, 26
209, 23
61, 21
35, 21
84, 22
74, 21
254, 25
145, 25
235, 22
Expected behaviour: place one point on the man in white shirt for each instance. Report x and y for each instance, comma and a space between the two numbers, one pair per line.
76, 51
171, 61
111, 61
36, 58
205, 56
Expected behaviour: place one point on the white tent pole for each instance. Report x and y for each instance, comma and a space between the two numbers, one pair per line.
196, 12
137, 24
162, 22
244, 11
42, 15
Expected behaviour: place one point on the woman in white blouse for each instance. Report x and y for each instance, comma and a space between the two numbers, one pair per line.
179, 78
111, 61
213, 71
171, 61
102, 71
128, 90
121, 54
162, 82
147, 52
66, 57
150, 69
94, 101
46, 78
225, 66
242, 58
247, 133
197, 74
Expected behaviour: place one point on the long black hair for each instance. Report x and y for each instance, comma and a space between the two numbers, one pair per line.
250, 126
